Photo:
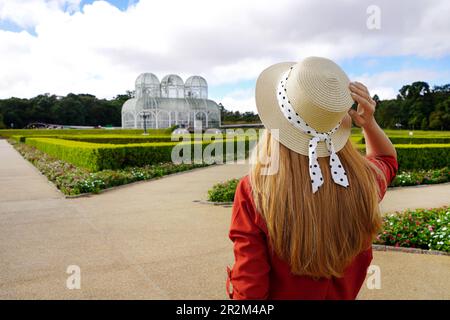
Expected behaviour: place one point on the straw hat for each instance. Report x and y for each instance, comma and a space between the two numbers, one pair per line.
317, 90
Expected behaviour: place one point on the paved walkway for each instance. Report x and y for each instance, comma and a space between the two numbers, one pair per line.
151, 241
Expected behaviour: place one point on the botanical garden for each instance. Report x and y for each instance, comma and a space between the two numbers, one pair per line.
98, 176
88, 161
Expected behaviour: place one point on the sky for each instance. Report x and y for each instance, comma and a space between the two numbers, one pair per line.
100, 47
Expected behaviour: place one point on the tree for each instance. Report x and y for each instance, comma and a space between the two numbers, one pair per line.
2, 125
416, 106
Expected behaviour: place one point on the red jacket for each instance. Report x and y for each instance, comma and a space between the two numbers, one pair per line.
259, 274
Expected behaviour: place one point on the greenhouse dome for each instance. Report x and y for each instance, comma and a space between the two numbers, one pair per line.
170, 103
172, 86
147, 84
196, 87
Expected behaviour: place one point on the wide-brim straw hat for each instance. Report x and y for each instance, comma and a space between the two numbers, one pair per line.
318, 90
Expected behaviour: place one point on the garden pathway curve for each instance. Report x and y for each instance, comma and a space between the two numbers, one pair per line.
151, 241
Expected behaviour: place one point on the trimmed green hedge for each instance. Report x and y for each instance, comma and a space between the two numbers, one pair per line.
101, 138
114, 139
123, 139
416, 140
6, 133
97, 157
117, 139
421, 156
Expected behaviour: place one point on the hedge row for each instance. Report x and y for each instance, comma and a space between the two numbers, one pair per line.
415, 140
97, 157
108, 139
7, 133
126, 139
421, 156
120, 139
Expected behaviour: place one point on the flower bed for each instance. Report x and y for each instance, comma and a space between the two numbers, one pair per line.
73, 180
427, 229
411, 178
224, 191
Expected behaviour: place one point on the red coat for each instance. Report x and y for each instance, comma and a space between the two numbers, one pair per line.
260, 274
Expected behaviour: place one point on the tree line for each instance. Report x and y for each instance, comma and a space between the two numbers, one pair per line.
73, 109
417, 106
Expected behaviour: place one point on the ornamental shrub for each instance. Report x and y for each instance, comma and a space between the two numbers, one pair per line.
224, 191
421, 156
95, 157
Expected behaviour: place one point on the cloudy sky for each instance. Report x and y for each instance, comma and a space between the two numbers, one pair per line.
99, 47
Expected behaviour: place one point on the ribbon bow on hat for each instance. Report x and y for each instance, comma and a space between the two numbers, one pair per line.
337, 170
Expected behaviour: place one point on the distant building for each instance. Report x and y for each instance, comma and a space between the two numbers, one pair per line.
169, 103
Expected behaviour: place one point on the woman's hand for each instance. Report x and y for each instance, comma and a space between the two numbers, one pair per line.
363, 117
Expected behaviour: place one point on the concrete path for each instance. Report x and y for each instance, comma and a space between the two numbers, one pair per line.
151, 241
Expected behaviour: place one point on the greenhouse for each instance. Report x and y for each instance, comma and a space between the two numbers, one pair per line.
170, 102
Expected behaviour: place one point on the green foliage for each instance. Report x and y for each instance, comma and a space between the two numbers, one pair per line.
78, 132
425, 156
224, 191
73, 109
73, 180
416, 139
410, 178
416, 107
421, 228
95, 157
421, 156
78, 153
236, 117
2, 124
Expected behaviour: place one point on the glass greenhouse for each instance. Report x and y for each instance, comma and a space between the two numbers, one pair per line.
170, 102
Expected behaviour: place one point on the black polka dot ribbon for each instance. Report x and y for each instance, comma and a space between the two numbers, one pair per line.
337, 170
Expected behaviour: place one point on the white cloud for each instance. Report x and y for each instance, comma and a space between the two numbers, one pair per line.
98, 49
239, 100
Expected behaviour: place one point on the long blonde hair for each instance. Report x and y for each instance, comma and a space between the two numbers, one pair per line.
317, 234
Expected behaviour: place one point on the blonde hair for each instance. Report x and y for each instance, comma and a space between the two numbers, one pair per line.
317, 234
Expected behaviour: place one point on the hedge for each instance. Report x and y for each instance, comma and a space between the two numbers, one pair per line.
97, 157
416, 140
7, 133
122, 139
421, 156
100, 138
116, 139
